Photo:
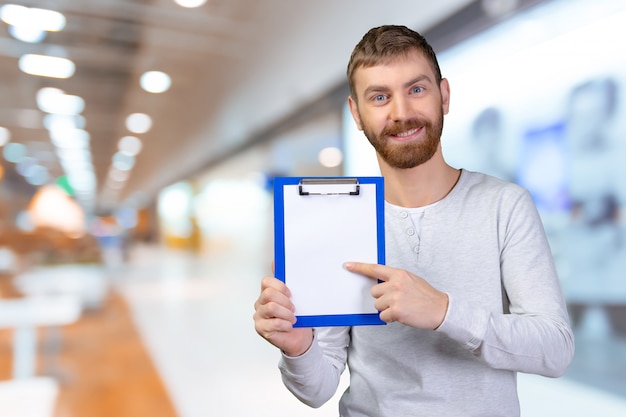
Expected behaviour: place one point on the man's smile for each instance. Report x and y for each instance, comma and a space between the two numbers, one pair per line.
407, 135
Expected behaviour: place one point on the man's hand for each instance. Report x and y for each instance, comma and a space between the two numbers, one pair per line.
404, 297
274, 317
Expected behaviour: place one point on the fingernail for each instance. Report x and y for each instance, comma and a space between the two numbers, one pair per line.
348, 265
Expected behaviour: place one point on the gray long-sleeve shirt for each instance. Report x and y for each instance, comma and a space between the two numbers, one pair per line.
485, 246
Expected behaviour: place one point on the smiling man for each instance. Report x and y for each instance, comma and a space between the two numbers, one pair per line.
469, 292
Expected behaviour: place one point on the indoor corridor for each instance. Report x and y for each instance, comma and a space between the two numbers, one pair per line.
137, 241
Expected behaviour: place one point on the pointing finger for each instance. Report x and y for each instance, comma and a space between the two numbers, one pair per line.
374, 271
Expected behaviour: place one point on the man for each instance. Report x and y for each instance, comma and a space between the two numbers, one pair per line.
469, 292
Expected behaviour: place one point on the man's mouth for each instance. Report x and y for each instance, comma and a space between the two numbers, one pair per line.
407, 134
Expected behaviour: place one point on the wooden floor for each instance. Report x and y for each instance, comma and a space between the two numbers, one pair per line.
103, 368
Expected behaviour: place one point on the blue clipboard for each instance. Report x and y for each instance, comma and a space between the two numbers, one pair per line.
319, 224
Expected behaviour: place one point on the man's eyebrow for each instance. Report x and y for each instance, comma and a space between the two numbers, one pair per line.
418, 79
375, 89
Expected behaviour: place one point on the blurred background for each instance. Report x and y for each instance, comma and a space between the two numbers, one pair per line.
139, 140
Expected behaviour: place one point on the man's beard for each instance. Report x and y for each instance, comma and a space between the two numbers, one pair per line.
410, 154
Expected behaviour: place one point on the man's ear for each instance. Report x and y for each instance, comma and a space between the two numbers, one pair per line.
355, 112
444, 87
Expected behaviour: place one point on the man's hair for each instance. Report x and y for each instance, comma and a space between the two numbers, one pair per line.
384, 44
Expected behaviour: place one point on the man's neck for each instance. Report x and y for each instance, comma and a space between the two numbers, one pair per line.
419, 186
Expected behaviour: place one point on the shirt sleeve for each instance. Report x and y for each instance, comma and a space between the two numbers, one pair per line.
314, 376
534, 336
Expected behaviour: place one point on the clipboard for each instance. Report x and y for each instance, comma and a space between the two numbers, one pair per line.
319, 224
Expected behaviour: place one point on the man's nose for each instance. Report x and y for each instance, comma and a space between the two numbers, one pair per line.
400, 109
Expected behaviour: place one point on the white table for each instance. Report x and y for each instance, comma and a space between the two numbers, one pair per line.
25, 315
87, 281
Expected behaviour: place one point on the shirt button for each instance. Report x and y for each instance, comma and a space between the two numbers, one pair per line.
416, 249
410, 232
404, 214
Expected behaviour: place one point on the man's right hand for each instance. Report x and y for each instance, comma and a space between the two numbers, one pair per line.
274, 317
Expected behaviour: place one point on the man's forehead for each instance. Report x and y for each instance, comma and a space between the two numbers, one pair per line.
413, 63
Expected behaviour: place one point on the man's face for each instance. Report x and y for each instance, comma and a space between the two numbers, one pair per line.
400, 109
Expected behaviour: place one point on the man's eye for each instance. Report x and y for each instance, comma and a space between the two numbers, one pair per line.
417, 90
379, 97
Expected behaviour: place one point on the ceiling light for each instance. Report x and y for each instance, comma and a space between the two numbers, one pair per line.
73, 164
42, 19
46, 66
118, 176
70, 139
138, 122
155, 81
37, 175
27, 34
83, 181
76, 168
190, 3
63, 121
123, 162
55, 101
72, 155
13, 14
24, 164
129, 145
330, 157
14, 152
47, 20
5, 136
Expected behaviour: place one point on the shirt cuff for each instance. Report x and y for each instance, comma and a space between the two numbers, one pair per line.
301, 365
464, 323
